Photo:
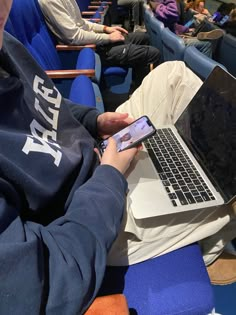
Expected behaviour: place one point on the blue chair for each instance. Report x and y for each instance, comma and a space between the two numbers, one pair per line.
226, 53
147, 14
173, 46
83, 4
199, 63
85, 92
156, 28
27, 24
174, 283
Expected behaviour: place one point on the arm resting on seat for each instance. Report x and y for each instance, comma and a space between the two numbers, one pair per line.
69, 74
109, 305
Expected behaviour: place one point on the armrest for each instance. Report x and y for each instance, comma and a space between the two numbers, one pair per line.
96, 20
69, 74
93, 7
109, 305
74, 47
99, 2
84, 13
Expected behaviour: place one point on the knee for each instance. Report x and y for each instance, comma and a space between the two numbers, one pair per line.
154, 55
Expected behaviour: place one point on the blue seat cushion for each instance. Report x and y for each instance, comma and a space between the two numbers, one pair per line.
175, 283
82, 91
119, 71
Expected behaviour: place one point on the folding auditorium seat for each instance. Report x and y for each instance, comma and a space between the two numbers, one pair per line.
147, 14
226, 53
199, 63
173, 46
27, 24
176, 283
156, 28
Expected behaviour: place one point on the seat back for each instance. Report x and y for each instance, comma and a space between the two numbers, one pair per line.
173, 46
83, 4
30, 28
226, 53
199, 63
147, 14
156, 28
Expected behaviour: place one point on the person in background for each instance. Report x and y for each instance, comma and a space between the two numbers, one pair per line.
62, 205
230, 25
137, 13
199, 7
114, 45
168, 12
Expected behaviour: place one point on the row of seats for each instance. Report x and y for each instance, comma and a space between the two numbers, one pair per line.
27, 24
173, 48
175, 283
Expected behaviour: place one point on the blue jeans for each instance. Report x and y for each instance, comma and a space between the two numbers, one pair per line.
204, 46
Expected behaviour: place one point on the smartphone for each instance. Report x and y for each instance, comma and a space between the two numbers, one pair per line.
132, 135
190, 23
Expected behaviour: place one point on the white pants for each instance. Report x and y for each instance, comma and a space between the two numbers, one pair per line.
163, 95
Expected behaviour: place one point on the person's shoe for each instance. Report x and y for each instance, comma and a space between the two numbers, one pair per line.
223, 270
139, 28
212, 35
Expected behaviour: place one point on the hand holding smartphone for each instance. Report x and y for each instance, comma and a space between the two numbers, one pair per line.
132, 135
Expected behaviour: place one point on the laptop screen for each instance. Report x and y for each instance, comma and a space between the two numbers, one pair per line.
208, 127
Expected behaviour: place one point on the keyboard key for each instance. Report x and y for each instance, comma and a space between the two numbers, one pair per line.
155, 161
205, 196
172, 196
198, 199
190, 198
181, 197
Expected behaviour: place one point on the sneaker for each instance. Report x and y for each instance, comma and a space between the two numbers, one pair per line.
212, 35
139, 28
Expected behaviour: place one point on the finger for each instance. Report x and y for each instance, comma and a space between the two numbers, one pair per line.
123, 30
113, 116
112, 144
98, 154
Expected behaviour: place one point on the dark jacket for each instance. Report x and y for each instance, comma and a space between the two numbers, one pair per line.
59, 210
230, 27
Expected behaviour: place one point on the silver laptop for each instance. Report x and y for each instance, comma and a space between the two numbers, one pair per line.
192, 164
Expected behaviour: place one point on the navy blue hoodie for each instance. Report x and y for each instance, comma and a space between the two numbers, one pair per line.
60, 210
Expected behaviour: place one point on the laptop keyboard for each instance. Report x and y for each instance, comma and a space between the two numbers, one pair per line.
183, 183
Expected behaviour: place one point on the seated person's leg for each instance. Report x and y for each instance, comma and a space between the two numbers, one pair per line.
139, 57
139, 240
203, 46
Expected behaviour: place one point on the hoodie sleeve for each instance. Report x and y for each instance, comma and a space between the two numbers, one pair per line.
86, 115
58, 269
167, 11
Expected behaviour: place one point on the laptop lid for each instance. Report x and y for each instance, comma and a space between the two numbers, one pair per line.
208, 127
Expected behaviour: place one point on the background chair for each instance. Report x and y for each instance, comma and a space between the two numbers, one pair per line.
226, 53
27, 24
174, 283
199, 63
156, 28
147, 14
173, 45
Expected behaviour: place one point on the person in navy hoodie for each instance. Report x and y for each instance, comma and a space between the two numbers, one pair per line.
64, 214
60, 210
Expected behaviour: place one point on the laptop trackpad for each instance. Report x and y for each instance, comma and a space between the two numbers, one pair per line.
147, 194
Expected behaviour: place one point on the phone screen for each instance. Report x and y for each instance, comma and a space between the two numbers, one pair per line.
132, 135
